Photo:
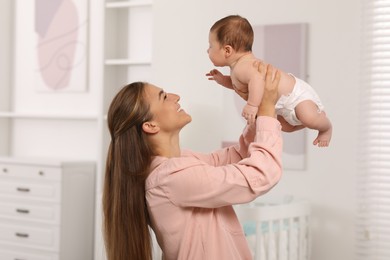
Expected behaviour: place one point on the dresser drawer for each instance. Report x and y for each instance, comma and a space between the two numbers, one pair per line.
30, 212
15, 255
26, 190
30, 172
34, 237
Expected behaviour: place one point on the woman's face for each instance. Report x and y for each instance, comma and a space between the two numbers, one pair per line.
166, 110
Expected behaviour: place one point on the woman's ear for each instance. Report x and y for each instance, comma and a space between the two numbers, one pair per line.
150, 127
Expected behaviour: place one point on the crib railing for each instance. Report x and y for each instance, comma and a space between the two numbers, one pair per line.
276, 231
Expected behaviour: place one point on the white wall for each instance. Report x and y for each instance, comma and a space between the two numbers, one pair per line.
180, 62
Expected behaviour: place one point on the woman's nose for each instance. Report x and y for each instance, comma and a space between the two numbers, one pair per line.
174, 96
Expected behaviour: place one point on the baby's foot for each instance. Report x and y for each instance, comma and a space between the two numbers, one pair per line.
323, 138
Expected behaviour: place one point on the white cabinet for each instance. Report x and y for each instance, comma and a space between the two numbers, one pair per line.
46, 209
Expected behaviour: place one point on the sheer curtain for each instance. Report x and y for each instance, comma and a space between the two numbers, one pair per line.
373, 223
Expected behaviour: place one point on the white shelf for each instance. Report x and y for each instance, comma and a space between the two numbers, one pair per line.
17, 115
127, 62
126, 4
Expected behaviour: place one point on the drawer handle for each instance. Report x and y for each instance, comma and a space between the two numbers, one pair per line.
23, 211
24, 235
5, 170
23, 189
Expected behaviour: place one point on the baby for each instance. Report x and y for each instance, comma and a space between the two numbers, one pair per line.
230, 44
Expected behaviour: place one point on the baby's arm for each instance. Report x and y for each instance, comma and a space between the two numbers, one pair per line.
221, 79
255, 84
249, 113
255, 90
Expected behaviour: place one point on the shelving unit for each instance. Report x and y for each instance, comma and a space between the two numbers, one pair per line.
73, 125
126, 62
13, 115
5, 71
127, 58
127, 48
124, 4
128, 44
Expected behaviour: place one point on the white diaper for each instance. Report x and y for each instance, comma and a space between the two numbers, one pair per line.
286, 104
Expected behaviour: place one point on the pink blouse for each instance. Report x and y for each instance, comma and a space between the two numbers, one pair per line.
190, 197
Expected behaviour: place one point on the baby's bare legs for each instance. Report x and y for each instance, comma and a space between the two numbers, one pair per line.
286, 127
307, 113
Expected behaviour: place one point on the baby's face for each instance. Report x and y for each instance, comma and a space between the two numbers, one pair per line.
215, 51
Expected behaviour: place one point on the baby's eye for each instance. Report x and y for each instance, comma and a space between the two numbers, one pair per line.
165, 96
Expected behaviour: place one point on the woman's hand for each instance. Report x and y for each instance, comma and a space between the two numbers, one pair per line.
270, 95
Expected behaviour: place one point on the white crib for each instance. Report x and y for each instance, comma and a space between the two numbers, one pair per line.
276, 231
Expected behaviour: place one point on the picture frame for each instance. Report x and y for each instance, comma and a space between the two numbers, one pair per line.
55, 44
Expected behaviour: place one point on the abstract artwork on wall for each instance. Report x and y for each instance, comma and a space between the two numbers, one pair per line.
61, 45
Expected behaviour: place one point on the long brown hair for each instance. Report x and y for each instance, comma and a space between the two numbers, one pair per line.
126, 231
235, 31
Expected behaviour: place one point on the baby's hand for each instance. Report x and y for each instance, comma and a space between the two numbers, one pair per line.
215, 75
249, 113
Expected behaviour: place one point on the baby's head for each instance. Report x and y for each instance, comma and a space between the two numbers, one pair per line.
235, 31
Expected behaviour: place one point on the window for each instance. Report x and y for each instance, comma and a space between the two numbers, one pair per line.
373, 223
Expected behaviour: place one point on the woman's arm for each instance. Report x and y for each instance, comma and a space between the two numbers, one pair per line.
193, 183
270, 94
236, 153
198, 184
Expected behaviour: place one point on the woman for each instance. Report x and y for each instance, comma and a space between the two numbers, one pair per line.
185, 197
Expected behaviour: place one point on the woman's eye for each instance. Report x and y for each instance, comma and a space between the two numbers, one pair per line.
165, 96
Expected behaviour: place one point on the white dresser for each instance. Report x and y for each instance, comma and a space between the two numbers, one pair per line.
46, 209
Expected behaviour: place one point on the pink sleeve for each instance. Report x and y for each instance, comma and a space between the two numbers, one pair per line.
197, 183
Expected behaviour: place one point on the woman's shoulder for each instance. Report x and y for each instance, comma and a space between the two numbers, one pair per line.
163, 167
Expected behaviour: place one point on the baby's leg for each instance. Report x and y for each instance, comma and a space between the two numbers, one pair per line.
307, 112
